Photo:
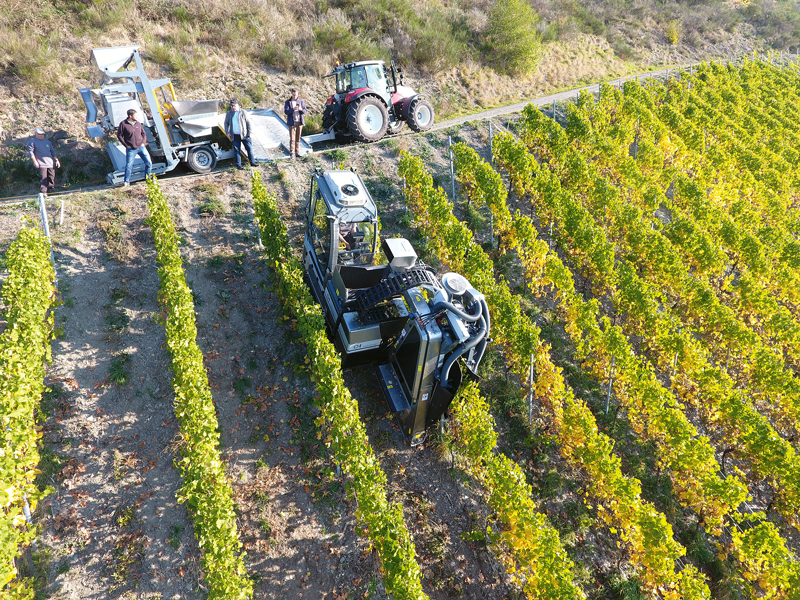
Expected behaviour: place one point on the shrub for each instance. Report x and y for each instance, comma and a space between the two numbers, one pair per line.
338, 40
277, 56
673, 32
512, 38
313, 124
440, 42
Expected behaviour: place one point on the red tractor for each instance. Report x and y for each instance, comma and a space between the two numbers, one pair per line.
369, 103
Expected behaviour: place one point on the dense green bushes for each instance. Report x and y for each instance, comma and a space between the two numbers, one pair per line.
511, 37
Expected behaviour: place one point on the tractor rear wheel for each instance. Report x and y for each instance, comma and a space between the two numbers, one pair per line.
367, 119
420, 115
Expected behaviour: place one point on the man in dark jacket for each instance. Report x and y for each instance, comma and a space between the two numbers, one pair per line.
237, 128
132, 135
294, 108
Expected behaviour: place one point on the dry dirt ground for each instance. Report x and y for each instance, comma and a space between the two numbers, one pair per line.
113, 528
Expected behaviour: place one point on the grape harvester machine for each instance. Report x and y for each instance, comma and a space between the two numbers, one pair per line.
384, 307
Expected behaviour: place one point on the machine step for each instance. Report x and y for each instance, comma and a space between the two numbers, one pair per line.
390, 383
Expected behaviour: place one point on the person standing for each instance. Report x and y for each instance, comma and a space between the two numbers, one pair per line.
294, 108
237, 128
132, 135
44, 160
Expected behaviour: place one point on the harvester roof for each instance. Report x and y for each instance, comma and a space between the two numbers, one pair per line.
346, 196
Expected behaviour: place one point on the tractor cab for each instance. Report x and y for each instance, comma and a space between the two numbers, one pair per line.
365, 75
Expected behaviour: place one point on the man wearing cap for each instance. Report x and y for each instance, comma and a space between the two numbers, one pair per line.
44, 159
294, 108
237, 128
131, 134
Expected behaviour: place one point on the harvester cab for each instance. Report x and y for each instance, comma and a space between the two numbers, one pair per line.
368, 103
384, 307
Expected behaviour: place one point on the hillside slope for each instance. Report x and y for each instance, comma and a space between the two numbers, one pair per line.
258, 50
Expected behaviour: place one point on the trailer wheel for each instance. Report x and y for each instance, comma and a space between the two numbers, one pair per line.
367, 119
202, 159
420, 115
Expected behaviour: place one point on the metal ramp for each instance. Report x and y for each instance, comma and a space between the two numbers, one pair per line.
270, 136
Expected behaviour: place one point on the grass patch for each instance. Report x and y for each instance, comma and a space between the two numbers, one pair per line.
34, 58
118, 295
265, 527
174, 538
119, 466
127, 555
392, 145
111, 222
242, 384
337, 155
313, 124
119, 372
211, 208
116, 320
210, 203
125, 516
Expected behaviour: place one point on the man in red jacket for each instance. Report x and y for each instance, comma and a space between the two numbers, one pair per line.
132, 135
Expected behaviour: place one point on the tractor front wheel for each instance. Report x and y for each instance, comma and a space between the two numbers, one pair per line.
367, 119
420, 115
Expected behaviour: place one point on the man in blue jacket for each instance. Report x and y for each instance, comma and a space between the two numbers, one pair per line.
237, 128
294, 108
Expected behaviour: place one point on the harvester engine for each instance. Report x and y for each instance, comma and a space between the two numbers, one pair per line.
384, 307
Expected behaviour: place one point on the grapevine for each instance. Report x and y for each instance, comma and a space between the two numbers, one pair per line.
206, 491
346, 435
28, 294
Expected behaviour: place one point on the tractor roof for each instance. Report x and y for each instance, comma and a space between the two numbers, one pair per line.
360, 63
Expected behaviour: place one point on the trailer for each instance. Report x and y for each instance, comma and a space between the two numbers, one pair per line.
178, 131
